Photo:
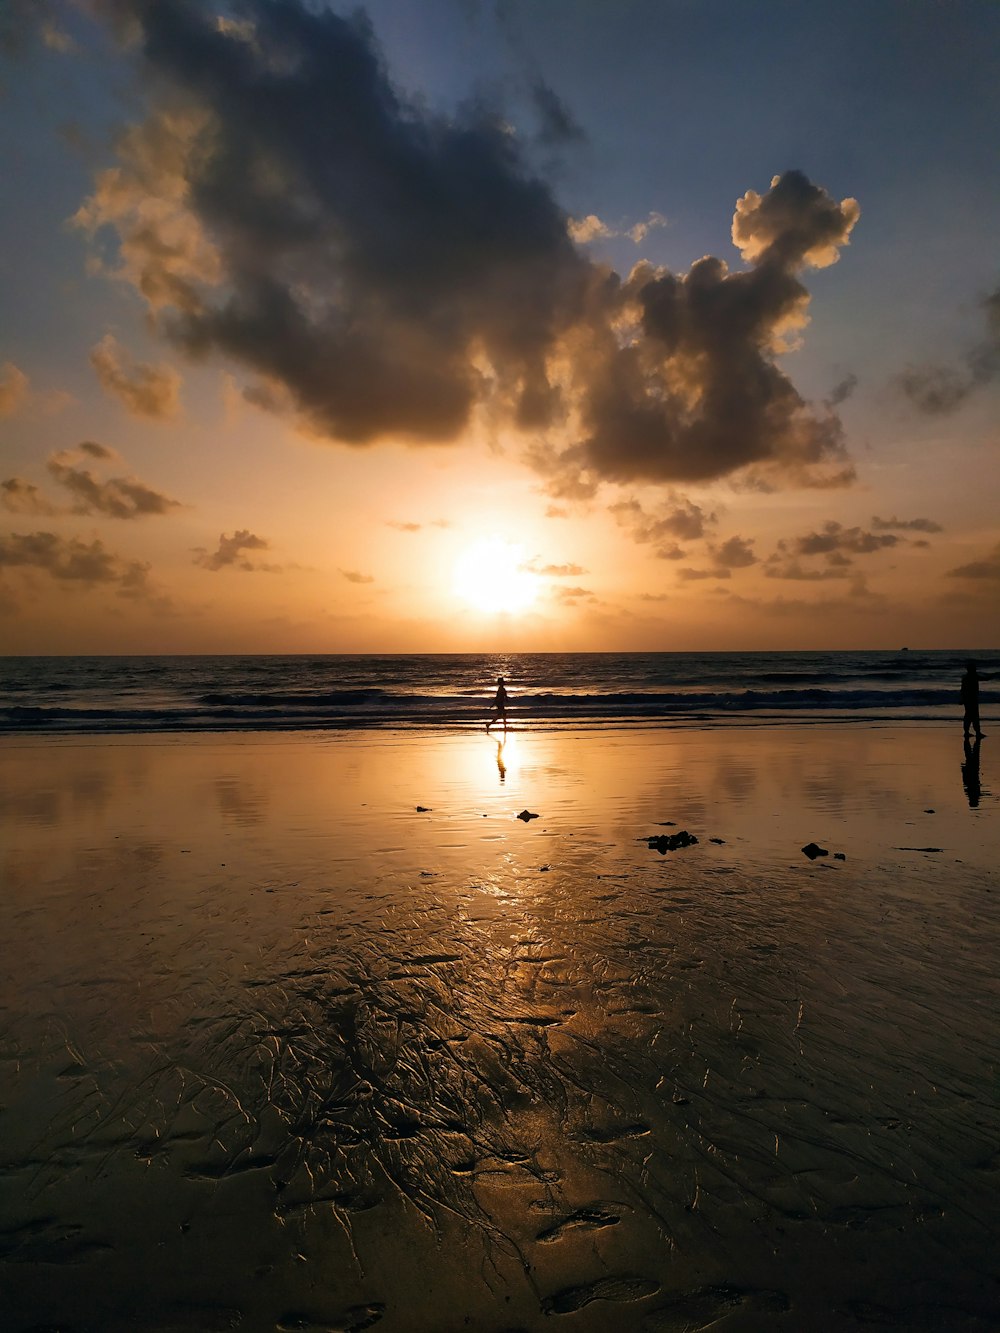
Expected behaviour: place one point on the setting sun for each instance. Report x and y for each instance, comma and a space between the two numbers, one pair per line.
490, 576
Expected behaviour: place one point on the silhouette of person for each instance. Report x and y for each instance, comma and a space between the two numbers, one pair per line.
969, 694
970, 771
499, 704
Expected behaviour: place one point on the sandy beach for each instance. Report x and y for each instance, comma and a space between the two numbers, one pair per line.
281, 1050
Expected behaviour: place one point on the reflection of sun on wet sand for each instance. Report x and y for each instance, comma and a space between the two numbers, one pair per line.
281, 1052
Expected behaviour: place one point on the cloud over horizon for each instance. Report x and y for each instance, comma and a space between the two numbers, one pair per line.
387, 272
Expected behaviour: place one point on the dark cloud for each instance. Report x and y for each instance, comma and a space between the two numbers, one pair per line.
355, 576
834, 538
385, 270
230, 553
69, 560
987, 568
21, 497
147, 391
938, 390
557, 124
678, 519
343, 243
94, 450
895, 524
696, 393
116, 497
734, 553
842, 391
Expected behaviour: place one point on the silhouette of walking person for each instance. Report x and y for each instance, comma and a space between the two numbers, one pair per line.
969, 694
970, 771
499, 705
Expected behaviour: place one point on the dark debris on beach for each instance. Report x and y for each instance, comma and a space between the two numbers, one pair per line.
670, 842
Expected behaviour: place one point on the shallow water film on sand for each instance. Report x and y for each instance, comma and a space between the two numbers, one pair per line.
280, 1050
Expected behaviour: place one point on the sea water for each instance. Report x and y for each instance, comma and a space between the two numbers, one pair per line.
278, 692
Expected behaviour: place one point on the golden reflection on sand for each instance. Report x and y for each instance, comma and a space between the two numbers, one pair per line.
314, 1031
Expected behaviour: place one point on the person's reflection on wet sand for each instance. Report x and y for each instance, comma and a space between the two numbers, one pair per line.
501, 766
970, 771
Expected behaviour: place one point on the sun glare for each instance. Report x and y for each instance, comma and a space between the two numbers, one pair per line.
490, 576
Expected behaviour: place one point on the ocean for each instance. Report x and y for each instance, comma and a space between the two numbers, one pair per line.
274, 693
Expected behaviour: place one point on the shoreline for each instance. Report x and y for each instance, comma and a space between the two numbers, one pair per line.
474, 724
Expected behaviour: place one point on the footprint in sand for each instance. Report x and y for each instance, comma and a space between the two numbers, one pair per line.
592, 1218
623, 1289
689, 1312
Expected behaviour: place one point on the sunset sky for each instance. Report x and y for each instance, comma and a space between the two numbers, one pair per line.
441, 325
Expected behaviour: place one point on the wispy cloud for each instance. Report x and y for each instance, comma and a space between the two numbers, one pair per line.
677, 519
115, 497
986, 568
937, 390
146, 390
895, 524
72, 562
231, 553
591, 228
13, 389
536, 566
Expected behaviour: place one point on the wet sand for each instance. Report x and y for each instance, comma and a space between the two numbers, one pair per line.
278, 1051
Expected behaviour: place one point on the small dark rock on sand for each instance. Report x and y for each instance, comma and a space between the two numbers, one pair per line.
526, 815
840, 856
812, 850
424, 809
720, 842
669, 842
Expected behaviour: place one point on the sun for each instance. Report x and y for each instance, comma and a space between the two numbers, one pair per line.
491, 576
